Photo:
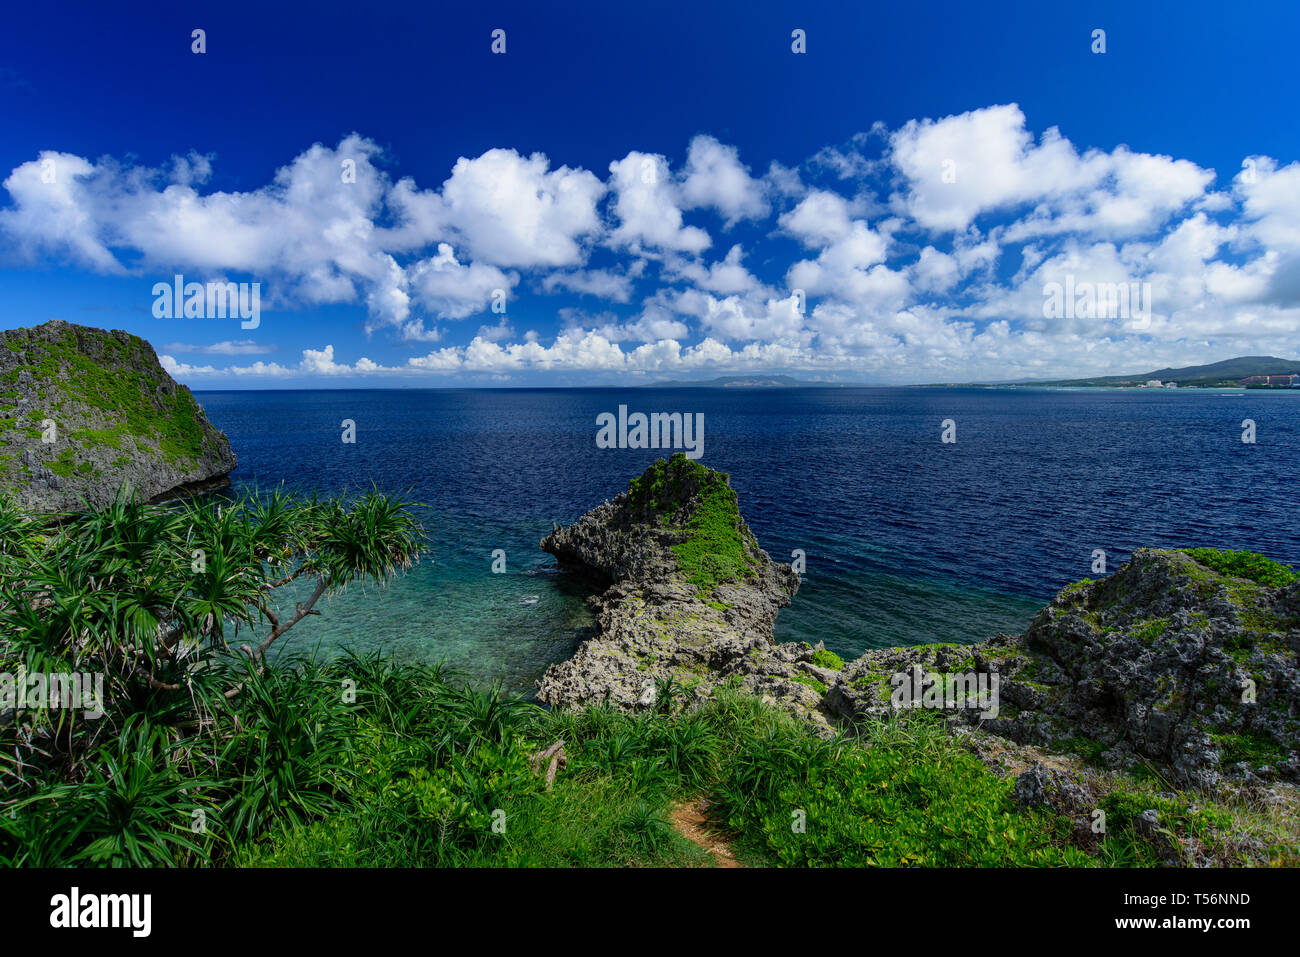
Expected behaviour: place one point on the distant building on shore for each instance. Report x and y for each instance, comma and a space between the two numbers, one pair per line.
1290, 380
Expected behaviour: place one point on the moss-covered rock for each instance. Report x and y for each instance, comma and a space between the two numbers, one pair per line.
716, 546
84, 412
687, 601
1187, 659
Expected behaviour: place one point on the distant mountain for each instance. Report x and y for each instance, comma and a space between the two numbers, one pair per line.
1228, 372
740, 382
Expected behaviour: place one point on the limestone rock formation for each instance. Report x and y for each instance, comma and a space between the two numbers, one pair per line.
84, 412
1184, 659
688, 603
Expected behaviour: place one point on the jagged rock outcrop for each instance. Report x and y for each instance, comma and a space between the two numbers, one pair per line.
84, 412
1187, 660
688, 603
1184, 659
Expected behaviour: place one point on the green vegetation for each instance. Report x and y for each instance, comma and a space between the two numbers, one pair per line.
1148, 631
208, 755
611, 805
106, 438
1075, 587
1248, 565
1251, 747
907, 795
714, 550
65, 464
659, 482
824, 658
1089, 749
148, 598
420, 771
1218, 830
811, 682
67, 375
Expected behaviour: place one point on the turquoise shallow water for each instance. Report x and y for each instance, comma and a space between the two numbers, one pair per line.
907, 540
452, 608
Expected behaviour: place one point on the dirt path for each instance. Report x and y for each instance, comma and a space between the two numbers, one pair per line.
693, 821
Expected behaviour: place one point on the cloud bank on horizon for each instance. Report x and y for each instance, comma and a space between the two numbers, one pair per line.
920, 253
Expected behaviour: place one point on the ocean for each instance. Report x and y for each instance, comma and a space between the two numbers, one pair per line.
907, 539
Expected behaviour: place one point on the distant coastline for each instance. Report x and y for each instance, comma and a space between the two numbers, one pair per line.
1255, 373
1243, 372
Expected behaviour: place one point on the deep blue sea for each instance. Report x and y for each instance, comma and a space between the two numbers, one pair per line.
907, 539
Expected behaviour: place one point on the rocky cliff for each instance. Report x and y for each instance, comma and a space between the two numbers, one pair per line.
688, 600
1183, 661
84, 412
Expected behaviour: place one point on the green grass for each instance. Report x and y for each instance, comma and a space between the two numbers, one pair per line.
908, 795
419, 769
811, 682
1087, 748
824, 658
1252, 747
1248, 565
1198, 819
1075, 587
429, 780
102, 438
1149, 631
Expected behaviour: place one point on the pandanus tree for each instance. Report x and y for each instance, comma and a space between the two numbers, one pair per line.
151, 596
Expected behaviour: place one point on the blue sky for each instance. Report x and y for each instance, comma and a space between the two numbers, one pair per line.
657, 191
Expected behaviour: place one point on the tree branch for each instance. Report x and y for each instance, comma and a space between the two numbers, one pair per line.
288, 578
300, 612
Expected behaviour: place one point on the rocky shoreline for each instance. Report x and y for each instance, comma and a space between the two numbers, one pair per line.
1181, 660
